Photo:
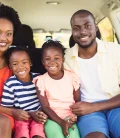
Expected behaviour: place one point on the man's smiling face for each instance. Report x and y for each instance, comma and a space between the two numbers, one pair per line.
83, 29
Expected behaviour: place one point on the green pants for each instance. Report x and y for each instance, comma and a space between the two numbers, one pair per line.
54, 130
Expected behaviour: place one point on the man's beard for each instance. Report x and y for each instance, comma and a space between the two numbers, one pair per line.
86, 46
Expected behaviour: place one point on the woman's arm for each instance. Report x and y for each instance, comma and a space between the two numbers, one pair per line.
8, 111
18, 114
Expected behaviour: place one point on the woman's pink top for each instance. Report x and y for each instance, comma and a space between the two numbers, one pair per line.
59, 92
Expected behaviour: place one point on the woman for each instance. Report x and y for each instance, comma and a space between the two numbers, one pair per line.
9, 25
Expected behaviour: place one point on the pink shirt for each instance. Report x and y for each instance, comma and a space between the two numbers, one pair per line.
59, 92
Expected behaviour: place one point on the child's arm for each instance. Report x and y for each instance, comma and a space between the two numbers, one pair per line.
46, 108
52, 115
72, 119
38, 116
77, 95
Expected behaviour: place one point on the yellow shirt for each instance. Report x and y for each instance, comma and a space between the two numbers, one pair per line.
108, 65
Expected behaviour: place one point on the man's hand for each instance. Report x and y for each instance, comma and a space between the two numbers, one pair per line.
83, 108
38, 116
19, 114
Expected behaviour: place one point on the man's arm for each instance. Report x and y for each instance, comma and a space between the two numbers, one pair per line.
83, 108
109, 104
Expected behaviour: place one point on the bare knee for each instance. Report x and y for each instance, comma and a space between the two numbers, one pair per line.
5, 121
5, 127
96, 135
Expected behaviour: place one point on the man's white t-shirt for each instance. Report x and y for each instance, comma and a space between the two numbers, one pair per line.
91, 89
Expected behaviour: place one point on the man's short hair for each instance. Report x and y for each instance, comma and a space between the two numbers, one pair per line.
82, 11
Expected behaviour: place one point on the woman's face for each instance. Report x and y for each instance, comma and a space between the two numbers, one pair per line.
6, 34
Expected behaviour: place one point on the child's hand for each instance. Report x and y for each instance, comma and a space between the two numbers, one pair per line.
19, 114
39, 116
72, 119
65, 126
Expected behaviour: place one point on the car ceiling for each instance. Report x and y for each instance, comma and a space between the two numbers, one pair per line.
38, 14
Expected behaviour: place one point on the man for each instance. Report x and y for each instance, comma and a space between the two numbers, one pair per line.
97, 63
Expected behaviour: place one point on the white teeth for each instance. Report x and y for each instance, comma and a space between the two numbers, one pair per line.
2, 44
84, 38
21, 73
52, 68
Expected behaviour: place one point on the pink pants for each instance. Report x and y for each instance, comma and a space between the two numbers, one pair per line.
28, 129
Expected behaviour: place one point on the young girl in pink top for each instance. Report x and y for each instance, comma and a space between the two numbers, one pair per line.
57, 90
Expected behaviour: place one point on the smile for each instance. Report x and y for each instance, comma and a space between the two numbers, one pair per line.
21, 73
84, 38
3, 44
52, 68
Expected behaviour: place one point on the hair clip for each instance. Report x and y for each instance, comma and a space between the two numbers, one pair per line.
48, 38
12, 46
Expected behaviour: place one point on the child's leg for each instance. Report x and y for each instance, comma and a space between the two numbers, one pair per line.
36, 130
74, 133
21, 129
53, 130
